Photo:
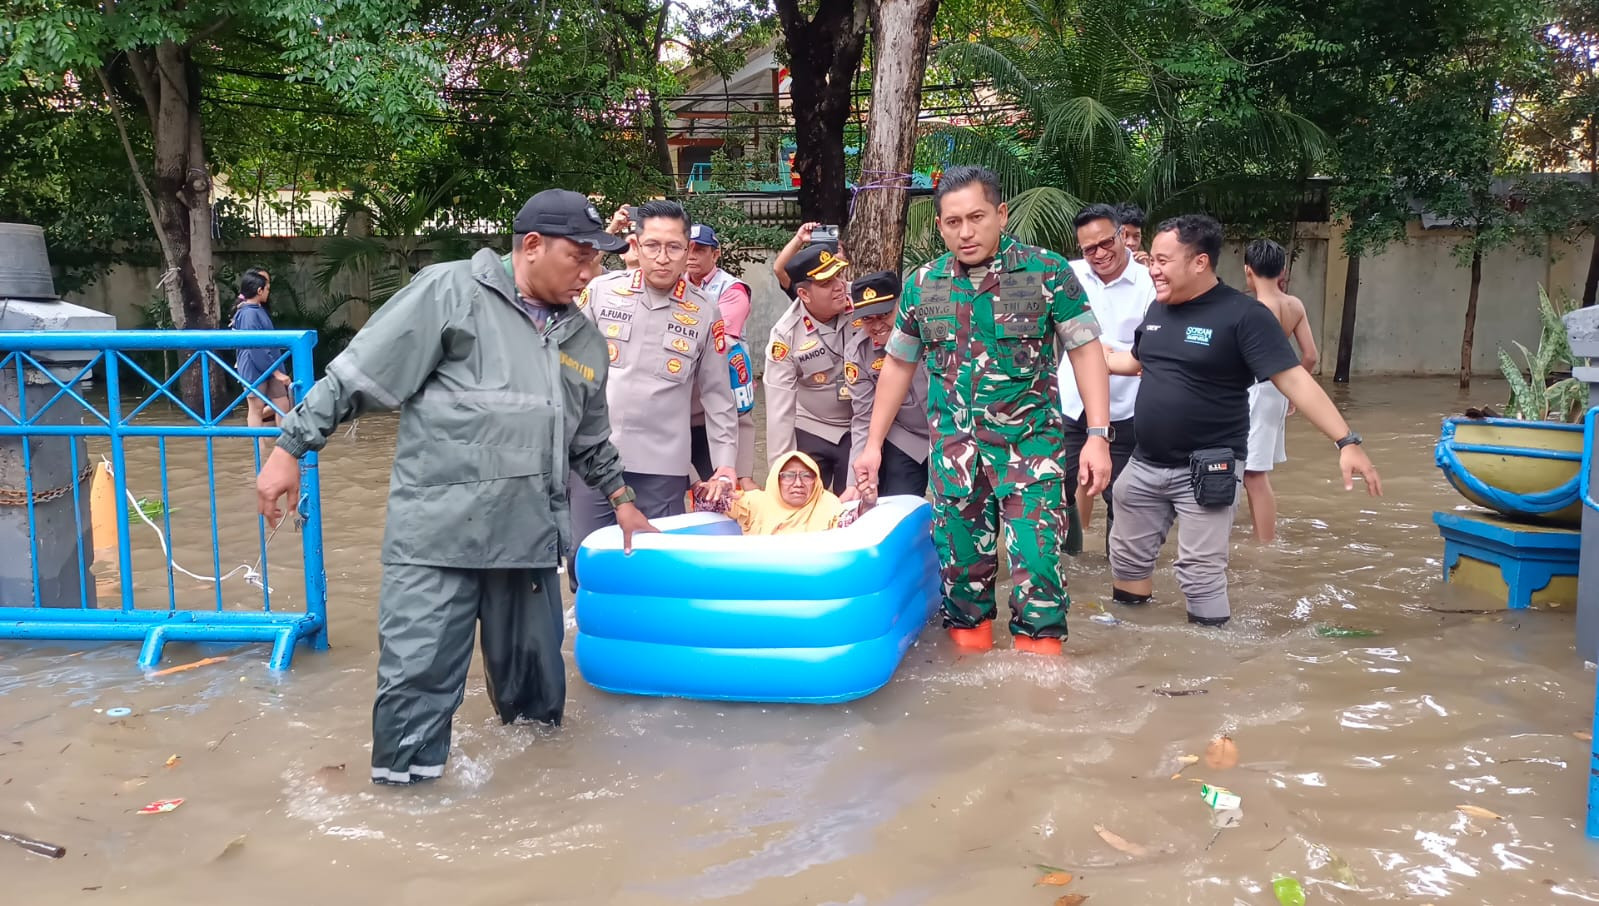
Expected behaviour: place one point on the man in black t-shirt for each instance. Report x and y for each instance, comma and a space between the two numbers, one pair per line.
1199, 349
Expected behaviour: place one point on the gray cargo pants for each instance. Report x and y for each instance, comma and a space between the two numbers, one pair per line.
1148, 499
427, 617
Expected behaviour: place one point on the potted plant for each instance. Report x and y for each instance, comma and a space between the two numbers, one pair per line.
1526, 463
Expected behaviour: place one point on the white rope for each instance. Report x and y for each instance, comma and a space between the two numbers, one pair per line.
252, 574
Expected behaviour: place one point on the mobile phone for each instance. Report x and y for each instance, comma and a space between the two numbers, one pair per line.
827, 232
634, 218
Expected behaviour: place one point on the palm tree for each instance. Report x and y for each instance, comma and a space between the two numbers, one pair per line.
1096, 111
384, 236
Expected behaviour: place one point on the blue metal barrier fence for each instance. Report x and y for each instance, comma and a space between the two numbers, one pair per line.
124, 416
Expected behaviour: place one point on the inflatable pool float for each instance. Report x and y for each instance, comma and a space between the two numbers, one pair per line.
702, 611
1525, 470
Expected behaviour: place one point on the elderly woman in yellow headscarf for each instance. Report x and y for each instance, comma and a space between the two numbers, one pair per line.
792, 502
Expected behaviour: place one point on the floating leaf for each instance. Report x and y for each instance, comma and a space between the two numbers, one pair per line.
1054, 879
234, 845
1476, 811
1344, 632
1226, 819
1119, 842
1342, 871
1221, 754
1288, 892
1071, 899
173, 761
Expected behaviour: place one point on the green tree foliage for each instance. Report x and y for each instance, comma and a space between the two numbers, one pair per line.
1116, 102
145, 61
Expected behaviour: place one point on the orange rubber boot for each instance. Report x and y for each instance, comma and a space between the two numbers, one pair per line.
977, 638
1036, 646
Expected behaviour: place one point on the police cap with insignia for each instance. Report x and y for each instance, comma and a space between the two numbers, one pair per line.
814, 263
874, 294
557, 212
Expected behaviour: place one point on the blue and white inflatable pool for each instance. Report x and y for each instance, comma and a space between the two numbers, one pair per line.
701, 611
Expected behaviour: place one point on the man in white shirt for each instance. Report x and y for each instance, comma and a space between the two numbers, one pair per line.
1119, 292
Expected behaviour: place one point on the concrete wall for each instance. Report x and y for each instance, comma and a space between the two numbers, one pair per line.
1412, 303
1411, 306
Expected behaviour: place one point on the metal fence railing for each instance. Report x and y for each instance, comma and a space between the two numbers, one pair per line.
55, 521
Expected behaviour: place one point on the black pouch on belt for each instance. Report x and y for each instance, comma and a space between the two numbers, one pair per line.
1213, 473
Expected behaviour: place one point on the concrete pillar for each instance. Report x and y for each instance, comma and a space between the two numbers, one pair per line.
49, 544
1583, 327
1332, 311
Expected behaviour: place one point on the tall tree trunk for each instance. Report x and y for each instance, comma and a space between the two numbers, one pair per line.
182, 189
1590, 287
663, 151
1346, 324
658, 140
1469, 337
901, 31
824, 52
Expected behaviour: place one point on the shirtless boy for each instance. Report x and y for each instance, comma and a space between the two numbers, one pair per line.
1265, 263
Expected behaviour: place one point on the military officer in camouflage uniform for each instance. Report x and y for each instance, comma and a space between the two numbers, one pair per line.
664, 337
986, 320
807, 399
904, 469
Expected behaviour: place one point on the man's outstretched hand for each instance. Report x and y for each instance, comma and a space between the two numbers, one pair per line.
280, 476
1352, 461
631, 520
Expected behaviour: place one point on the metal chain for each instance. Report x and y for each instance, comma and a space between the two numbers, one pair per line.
19, 496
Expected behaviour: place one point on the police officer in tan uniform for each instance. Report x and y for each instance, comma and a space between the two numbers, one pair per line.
808, 405
664, 338
904, 469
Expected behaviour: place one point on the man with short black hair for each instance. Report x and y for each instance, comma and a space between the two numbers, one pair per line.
1200, 349
988, 321
1264, 264
1119, 292
664, 337
807, 398
1131, 217
501, 388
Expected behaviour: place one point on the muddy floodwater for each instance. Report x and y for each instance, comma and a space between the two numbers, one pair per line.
949, 786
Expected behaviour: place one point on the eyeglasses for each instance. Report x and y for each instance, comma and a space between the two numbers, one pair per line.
1105, 247
797, 477
657, 249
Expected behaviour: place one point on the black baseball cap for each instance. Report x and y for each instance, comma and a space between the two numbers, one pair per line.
814, 263
874, 294
557, 212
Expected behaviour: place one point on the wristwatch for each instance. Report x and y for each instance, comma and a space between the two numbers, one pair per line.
1347, 439
625, 495
1107, 432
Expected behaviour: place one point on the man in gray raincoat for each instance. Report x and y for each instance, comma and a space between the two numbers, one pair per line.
500, 384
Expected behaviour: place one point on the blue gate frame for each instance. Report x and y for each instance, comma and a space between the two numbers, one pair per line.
156, 626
